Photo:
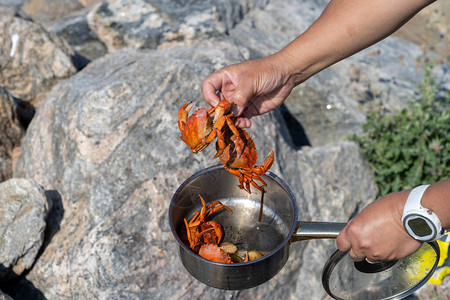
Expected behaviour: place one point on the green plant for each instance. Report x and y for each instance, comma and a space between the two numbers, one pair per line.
411, 147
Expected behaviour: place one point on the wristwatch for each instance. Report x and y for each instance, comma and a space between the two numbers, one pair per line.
421, 223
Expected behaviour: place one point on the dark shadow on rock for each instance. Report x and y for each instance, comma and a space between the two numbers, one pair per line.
25, 112
296, 131
80, 61
20, 287
54, 217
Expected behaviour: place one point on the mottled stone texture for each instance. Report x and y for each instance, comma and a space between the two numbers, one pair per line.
14, 116
23, 209
150, 24
47, 10
32, 60
74, 28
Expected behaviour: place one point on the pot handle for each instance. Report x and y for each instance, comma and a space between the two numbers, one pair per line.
316, 230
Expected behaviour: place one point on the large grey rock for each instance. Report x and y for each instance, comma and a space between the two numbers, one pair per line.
157, 23
108, 142
23, 207
32, 59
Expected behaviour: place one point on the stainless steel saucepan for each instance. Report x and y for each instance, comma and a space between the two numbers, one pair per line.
272, 234
272, 230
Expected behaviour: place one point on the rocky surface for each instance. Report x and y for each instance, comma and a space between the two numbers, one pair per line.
157, 23
45, 10
32, 60
116, 177
75, 29
11, 132
430, 28
105, 146
23, 207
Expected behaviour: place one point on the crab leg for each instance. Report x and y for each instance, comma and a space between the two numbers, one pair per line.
261, 169
213, 210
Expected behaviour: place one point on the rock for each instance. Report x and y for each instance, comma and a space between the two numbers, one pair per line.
88, 2
11, 3
112, 149
429, 28
45, 10
26, 73
4, 296
11, 132
110, 25
151, 24
74, 28
24, 208
9, 10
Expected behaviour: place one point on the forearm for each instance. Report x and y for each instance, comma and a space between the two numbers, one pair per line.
344, 28
437, 199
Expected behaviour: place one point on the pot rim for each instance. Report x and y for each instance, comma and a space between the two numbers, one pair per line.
234, 265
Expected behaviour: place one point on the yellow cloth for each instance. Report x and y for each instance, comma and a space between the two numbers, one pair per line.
441, 270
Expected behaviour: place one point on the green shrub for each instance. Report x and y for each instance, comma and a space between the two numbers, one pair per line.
411, 147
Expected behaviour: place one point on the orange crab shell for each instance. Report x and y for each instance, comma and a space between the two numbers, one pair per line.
214, 253
239, 158
197, 127
240, 153
212, 232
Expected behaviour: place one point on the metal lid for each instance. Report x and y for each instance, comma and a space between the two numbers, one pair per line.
343, 278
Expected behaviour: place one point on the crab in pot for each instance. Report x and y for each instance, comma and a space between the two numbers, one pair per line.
200, 231
204, 236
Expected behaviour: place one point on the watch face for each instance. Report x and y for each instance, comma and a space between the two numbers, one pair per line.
420, 227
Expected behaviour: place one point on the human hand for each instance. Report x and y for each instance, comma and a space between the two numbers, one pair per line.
255, 87
377, 233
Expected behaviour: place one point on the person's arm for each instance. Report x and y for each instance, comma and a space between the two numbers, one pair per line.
344, 28
377, 233
437, 198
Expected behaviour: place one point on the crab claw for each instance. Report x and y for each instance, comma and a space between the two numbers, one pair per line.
183, 115
261, 169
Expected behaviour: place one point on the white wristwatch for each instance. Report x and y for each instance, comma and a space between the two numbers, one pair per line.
421, 223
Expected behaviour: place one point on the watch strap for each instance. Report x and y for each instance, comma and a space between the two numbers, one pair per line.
414, 199
413, 206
